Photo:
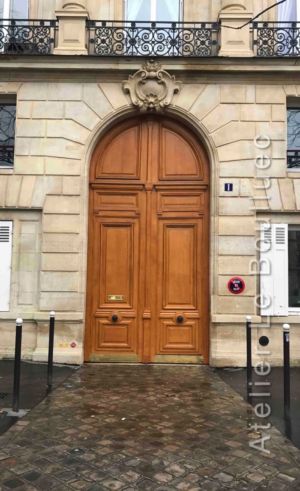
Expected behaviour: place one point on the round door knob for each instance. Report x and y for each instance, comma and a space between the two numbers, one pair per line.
114, 318
180, 319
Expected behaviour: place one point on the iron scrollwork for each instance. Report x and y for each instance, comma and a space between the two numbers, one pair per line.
27, 37
6, 156
153, 39
293, 159
276, 39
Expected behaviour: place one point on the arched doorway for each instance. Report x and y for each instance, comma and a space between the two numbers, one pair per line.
148, 253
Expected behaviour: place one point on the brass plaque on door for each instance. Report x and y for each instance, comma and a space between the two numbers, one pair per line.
116, 298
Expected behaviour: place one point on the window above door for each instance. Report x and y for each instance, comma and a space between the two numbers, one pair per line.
153, 10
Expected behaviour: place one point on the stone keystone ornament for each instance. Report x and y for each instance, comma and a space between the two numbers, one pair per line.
151, 87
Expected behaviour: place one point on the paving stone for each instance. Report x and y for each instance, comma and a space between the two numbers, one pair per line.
80, 485
67, 476
286, 478
13, 483
209, 486
176, 470
163, 477
256, 477
184, 429
112, 484
97, 487
146, 484
130, 476
26, 487
31, 476
223, 477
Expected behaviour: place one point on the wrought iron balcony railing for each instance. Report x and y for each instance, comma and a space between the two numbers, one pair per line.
107, 38
33, 37
153, 39
6, 155
293, 159
275, 39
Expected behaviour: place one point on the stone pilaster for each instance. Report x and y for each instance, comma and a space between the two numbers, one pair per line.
236, 40
71, 29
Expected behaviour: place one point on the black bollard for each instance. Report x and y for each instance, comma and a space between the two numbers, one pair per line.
249, 348
50, 350
17, 366
286, 369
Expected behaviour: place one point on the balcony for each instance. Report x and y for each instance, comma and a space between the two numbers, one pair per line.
106, 38
152, 39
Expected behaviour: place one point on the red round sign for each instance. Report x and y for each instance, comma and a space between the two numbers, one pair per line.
236, 285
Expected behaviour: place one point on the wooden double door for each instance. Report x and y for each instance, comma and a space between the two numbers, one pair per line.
148, 280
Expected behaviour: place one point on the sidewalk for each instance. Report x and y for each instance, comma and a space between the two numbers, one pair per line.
33, 387
237, 379
113, 427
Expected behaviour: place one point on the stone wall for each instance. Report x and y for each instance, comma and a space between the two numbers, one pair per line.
46, 195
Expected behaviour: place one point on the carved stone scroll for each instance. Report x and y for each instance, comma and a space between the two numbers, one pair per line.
151, 87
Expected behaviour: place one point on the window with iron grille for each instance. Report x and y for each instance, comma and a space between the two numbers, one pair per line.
293, 137
7, 133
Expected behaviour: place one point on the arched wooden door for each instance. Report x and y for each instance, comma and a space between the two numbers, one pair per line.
148, 254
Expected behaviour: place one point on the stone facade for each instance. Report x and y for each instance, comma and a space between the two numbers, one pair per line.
61, 114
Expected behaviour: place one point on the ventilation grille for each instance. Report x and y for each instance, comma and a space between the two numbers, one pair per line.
4, 233
268, 235
280, 236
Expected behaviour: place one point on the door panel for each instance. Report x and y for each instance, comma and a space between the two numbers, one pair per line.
116, 336
147, 294
116, 162
180, 157
116, 263
178, 281
115, 201
176, 338
182, 201
117, 268
179, 285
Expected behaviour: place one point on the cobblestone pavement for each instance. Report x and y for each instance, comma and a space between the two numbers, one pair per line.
146, 428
